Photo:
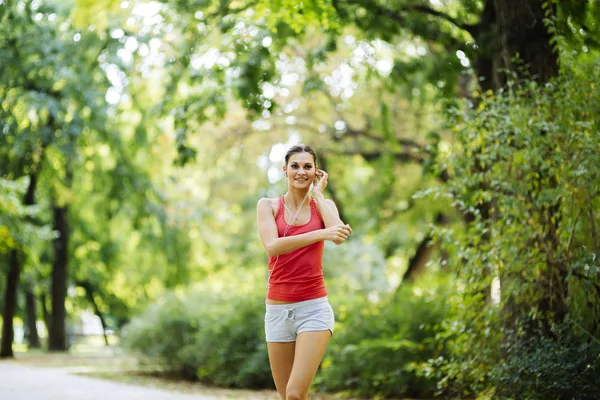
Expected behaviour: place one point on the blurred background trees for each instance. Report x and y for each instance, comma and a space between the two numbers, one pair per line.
461, 137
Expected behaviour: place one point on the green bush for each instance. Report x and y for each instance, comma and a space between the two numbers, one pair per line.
215, 336
379, 349
564, 366
230, 349
161, 332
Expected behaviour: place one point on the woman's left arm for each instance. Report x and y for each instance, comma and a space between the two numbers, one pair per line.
327, 208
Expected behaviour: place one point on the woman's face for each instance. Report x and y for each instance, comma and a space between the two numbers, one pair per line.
301, 170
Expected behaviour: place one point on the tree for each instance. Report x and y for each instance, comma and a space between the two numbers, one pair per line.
40, 97
18, 229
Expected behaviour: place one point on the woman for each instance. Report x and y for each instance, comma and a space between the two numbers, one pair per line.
293, 228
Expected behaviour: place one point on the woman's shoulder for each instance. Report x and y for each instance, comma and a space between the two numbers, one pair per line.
267, 202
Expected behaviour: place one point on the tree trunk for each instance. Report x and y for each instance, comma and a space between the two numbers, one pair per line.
100, 315
57, 340
508, 28
14, 271
418, 262
10, 305
484, 34
89, 292
31, 333
45, 313
521, 31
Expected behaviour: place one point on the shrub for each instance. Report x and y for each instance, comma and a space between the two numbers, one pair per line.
230, 349
564, 366
215, 336
379, 349
159, 334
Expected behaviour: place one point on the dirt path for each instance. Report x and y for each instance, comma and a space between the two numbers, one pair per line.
20, 382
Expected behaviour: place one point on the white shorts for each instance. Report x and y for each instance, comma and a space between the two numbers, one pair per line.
283, 322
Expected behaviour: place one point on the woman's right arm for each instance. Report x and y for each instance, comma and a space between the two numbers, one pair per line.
274, 245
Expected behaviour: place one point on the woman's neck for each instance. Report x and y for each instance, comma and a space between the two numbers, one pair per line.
294, 197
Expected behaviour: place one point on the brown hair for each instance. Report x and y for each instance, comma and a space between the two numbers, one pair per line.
300, 148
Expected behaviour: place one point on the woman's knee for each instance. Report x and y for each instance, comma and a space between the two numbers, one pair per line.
294, 394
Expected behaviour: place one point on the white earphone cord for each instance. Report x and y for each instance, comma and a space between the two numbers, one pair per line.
285, 232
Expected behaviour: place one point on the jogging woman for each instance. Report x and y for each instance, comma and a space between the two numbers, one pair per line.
298, 320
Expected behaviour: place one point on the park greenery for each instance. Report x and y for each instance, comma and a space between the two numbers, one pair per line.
462, 141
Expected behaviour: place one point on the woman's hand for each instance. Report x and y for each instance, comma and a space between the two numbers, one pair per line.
320, 182
337, 233
336, 230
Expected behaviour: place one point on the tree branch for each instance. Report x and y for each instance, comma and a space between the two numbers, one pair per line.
584, 277
225, 10
430, 11
432, 33
365, 133
402, 156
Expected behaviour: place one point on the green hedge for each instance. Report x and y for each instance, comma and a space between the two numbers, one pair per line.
213, 336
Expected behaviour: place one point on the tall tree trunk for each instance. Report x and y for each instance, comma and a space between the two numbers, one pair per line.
508, 28
484, 64
521, 31
10, 305
14, 271
31, 333
554, 280
57, 340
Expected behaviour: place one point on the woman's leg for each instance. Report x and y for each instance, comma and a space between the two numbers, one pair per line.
310, 349
281, 358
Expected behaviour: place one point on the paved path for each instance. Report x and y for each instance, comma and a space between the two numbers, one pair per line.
18, 382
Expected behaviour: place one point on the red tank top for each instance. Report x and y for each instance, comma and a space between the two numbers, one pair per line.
297, 275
